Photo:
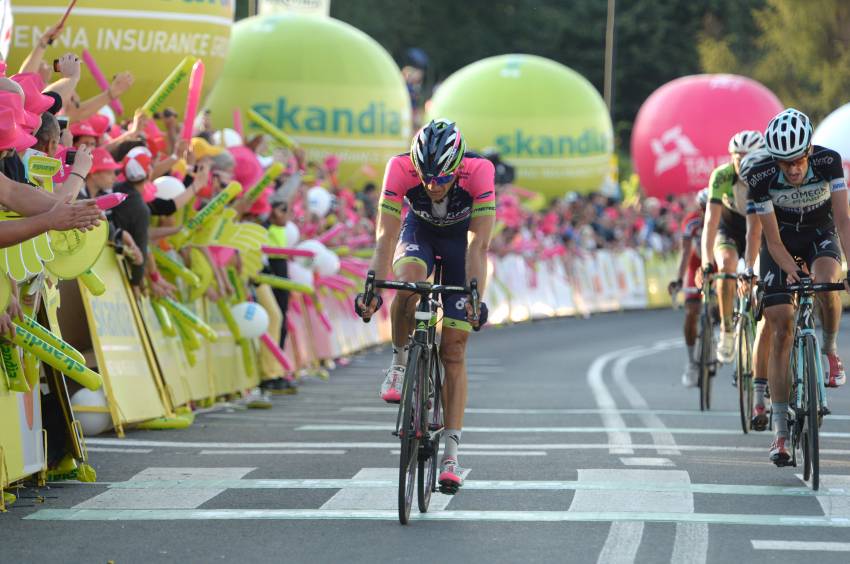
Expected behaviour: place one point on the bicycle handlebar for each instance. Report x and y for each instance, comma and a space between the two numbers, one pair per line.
802, 287
421, 288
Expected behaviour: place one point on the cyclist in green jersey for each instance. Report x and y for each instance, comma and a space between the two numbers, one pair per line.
724, 236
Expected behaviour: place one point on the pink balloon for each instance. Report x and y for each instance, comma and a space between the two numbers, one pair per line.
682, 131
196, 83
101, 80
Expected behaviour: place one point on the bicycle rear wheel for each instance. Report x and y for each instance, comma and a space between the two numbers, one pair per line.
811, 437
408, 425
706, 343
744, 373
430, 450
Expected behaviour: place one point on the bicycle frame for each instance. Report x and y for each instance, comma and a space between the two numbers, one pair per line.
805, 326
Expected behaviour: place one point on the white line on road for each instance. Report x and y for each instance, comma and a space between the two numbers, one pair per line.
645, 461
805, 546
273, 451
611, 418
127, 450
517, 453
367, 427
393, 444
637, 401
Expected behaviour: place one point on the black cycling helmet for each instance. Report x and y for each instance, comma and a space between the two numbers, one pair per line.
437, 150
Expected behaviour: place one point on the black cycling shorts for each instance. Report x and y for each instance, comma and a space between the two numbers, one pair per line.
806, 245
731, 239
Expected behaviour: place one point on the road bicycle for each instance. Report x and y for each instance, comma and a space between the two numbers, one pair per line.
745, 331
706, 343
808, 404
419, 424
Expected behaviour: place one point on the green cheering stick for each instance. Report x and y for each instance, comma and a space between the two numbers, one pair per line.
51, 338
164, 319
268, 177
52, 356
275, 133
12, 367
169, 265
186, 318
212, 209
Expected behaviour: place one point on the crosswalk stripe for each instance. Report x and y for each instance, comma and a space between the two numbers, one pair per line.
379, 515
272, 451
646, 461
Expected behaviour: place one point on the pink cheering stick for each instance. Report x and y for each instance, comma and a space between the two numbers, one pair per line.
287, 252
101, 80
275, 350
359, 241
342, 280
196, 84
109, 201
295, 307
325, 237
237, 122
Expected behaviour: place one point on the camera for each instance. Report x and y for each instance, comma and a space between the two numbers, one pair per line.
63, 122
70, 156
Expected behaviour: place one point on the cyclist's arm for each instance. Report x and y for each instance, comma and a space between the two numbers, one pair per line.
480, 232
841, 216
777, 250
388, 227
753, 239
687, 243
709, 232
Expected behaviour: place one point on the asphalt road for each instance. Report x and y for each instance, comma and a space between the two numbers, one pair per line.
581, 443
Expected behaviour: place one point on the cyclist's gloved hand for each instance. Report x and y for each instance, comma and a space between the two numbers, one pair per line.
364, 311
710, 268
674, 286
482, 317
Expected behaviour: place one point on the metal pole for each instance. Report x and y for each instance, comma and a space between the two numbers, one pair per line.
608, 88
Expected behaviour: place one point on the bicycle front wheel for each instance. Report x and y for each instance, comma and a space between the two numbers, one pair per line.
744, 373
407, 433
706, 344
430, 450
812, 407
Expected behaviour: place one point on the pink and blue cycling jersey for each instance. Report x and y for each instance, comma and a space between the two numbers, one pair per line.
473, 193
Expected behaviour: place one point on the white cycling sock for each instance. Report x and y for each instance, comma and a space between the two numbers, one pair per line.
452, 437
400, 356
779, 419
829, 344
759, 387
691, 349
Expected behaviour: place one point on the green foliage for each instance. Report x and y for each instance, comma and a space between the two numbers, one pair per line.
800, 50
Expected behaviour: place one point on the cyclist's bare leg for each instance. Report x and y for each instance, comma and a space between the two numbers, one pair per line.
692, 309
453, 355
827, 269
404, 303
727, 262
780, 318
761, 350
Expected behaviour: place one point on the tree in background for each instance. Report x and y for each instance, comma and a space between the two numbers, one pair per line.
800, 50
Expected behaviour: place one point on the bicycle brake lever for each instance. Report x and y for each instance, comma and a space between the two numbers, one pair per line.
369, 292
474, 297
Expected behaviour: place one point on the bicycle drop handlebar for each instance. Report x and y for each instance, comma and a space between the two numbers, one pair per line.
806, 286
421, 288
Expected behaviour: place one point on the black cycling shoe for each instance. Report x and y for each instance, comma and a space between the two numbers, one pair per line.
760, 419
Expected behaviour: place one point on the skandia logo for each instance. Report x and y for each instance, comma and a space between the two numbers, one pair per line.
520, 144
373, 119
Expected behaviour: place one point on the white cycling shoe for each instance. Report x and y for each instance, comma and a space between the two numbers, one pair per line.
391, 388
690, 376
726, 347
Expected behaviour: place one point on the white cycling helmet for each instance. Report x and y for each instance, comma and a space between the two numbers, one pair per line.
745, 141
788, 135
702, 197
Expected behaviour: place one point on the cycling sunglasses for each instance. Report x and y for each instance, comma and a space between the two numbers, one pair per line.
439, 180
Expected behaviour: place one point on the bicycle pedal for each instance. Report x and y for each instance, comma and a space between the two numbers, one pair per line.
825, 411
448, 489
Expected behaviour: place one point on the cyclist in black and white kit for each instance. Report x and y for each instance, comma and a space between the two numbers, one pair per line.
799, 193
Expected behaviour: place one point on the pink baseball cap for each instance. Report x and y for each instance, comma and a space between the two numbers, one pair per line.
100, 123
34, 100
83, 129
12, 136
102, 160
28, 121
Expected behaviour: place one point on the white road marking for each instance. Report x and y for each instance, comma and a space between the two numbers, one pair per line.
646, 461
273, 451
369, 427
611, 418
127, 450
184, 498
691, 544
517, 453
833, 506
74, 514
623, 540
379, 498
804, 546
349, 445
637, 401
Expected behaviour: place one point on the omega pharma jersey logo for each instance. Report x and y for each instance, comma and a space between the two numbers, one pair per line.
373, 119
521, 144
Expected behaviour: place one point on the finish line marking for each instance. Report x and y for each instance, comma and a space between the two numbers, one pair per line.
837, 494
576, 411
379, 515
394, 445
